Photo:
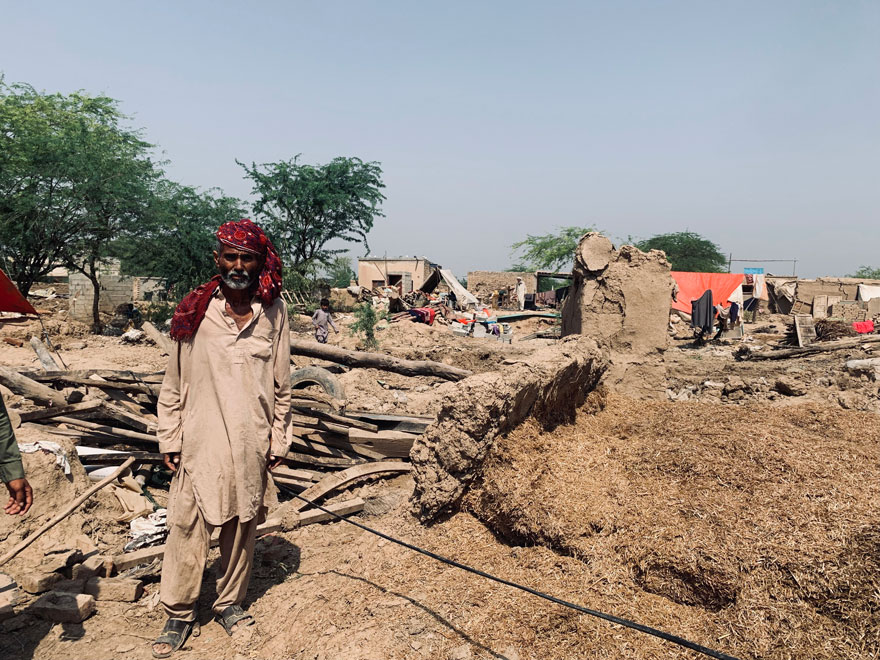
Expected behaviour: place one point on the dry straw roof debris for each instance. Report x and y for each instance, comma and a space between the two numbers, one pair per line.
758, 534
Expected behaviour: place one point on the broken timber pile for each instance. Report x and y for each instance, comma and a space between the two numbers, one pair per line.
116, 410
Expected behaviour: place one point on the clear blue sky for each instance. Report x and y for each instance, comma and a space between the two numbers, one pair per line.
756, 124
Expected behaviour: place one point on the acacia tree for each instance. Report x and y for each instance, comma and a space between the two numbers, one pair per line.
867, 273
304, 207
41, 138
549, 251
687, 251
177, 238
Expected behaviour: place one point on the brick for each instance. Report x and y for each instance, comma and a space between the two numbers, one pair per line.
57, 561
70, 586
91, 567
126, 590
64, 607
37, 583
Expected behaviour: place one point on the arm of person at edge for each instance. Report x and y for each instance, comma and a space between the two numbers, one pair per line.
11, 471
170, 430
279, 443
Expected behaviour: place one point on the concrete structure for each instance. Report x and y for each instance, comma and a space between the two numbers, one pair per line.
116, 289
407, 272
482, 283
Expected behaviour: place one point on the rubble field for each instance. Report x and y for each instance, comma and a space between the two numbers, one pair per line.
738, 509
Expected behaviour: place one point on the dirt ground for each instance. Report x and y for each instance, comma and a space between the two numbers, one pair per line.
736, 515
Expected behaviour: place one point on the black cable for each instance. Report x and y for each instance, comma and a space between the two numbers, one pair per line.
675, 639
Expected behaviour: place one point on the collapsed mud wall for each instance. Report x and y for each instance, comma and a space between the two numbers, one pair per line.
621, 299
548, 385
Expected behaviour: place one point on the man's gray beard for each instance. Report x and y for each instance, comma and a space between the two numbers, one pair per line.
240, 284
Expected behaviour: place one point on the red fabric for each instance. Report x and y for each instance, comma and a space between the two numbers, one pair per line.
242, 235
692, 285
863, 327
11, 299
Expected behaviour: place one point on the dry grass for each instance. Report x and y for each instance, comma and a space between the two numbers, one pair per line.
757, 533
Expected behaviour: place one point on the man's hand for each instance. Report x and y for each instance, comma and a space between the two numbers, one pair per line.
172, 461
20, 497
274, 461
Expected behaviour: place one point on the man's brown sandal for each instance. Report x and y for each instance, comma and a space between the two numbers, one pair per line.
175, 633
233, 615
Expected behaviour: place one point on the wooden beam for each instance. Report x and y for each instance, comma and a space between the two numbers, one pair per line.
111, 374
146, 555
338, 419
389, 443
114, 457
377, 361
144, 388
303, 475
321, 461
48, 413
165, 344
31, 389
108, 430
333, 481
43, 354
818, 347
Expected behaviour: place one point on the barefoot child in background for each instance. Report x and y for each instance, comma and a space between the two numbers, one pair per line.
320, 319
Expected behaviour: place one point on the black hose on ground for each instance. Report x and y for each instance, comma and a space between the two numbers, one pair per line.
648, 630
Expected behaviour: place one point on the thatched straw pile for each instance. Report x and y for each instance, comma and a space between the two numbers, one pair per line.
753, 530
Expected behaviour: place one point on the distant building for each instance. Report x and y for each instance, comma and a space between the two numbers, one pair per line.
408, 273
116, 289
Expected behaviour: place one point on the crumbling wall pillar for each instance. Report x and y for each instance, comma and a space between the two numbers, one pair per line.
621, 298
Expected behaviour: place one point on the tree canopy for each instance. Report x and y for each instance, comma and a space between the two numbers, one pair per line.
550, 251
687, 251
304, 207
177, 239
867, 273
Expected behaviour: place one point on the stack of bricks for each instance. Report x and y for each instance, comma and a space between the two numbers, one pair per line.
849, 311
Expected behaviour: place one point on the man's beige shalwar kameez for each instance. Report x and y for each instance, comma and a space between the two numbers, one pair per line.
225, 407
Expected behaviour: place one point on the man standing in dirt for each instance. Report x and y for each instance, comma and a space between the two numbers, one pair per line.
11, 471
520, 292
224, 417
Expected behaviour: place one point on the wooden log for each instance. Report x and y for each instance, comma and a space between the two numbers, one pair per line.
338, 419
333, 481
133, 420
165, 344
108, 430
144, 388
31, 389
66, 512
43, 354
146, 555
377, 361
389, 443
48, 413
321, 461
109, 374
303, 475
818, 347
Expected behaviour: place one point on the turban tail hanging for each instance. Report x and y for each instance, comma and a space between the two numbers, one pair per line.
242, 235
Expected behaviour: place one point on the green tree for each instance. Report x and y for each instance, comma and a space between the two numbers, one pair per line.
177, 239
365, 324
304, 207
339, 272
550, 251
72, 179
867, 273
687, 251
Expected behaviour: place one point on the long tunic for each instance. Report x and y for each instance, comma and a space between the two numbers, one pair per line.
225, 407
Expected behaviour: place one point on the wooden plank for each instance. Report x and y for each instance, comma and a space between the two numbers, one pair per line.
273, 525
48, 413
133, 406
43, 354
333, 481
108, 430
109, 374
820, 307
293, 473
121, 415
806, 331
338, 419
389, 443
321, 461
165, 344
115, 457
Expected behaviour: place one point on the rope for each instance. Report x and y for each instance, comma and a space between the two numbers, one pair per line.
675, 639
